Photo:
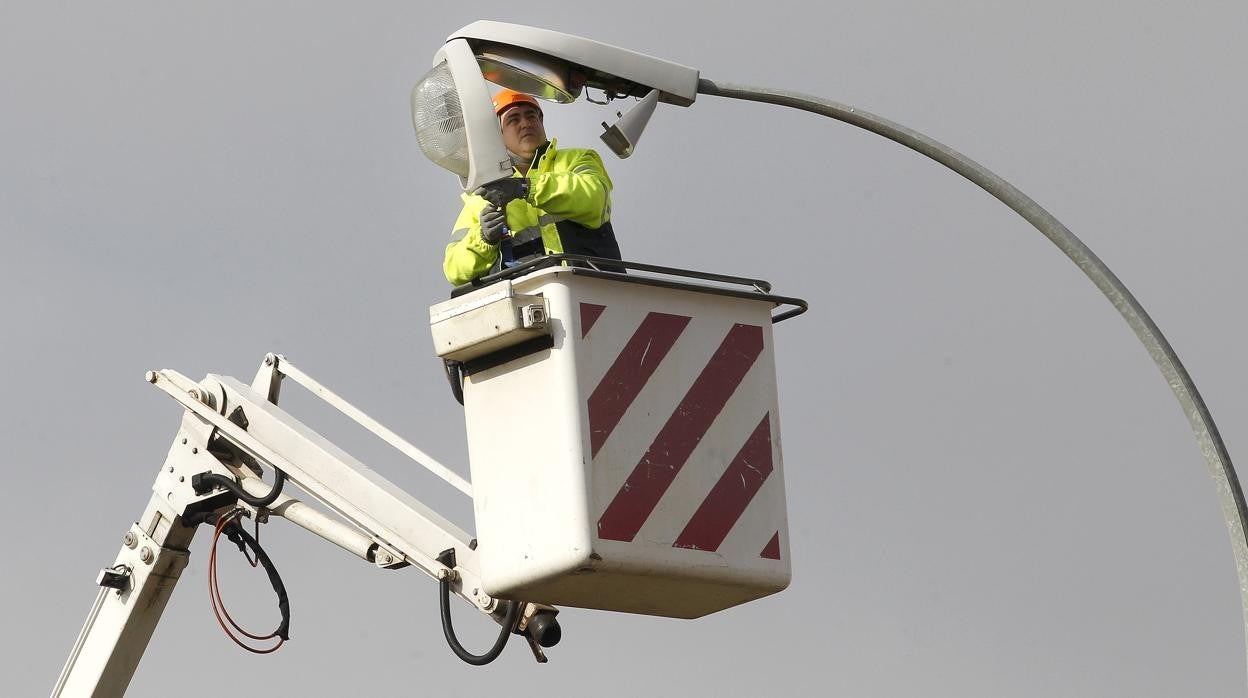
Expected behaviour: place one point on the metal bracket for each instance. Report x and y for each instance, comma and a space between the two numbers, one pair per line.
388, 558
538, 653
268, 380
115, 577
530, 610
239, 417
189, 456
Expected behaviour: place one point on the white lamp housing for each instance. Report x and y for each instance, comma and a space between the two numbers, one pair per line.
614, 70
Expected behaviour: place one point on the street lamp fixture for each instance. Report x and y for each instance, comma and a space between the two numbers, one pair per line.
558, 66
451, 110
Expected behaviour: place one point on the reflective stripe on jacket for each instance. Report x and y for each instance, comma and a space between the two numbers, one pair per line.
565, 186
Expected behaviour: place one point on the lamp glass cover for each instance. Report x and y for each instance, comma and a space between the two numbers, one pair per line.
439, 120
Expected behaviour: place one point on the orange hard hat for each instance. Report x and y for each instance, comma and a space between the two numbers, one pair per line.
509, 98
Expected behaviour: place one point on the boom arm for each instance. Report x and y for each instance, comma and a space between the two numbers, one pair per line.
230, 429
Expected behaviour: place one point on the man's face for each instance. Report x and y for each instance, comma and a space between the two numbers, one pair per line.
522, 128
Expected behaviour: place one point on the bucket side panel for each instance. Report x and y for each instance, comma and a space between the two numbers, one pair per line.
530, 494
687, 481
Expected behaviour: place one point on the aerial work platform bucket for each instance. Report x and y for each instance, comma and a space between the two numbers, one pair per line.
624, 436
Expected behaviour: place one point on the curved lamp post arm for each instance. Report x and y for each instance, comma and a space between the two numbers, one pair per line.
1230, 494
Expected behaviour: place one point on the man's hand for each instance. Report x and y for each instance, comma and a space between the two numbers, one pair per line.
493, 225
500, 192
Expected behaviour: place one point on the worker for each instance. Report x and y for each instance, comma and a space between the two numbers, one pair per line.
556, 201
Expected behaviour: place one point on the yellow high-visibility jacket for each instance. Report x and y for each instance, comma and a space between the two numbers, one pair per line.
568, 210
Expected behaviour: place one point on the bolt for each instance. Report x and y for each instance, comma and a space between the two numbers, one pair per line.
195, 393
183, 440
130, 540
386, 559
194, 450
150, 376
268, 360
146, 555
171, 468
181, 478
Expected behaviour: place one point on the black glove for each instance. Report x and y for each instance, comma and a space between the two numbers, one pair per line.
493, 225
500, 192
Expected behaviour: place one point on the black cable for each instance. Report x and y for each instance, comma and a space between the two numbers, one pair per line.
455, 376
203, 482
509, 621
239, 536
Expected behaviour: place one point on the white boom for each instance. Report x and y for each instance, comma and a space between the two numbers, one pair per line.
228, 428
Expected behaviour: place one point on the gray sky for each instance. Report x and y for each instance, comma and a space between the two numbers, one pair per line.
991, 490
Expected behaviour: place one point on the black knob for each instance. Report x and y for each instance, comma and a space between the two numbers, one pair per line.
544, 629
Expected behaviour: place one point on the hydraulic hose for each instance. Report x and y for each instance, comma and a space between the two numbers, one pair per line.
455, 376
202, 482
504, 634
447, 557
1217, 458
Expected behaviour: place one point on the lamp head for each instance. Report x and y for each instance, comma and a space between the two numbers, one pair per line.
451, 109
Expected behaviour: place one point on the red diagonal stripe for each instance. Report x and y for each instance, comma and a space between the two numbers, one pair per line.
772, 551
632, 368
589, 315
681, 434
732, 494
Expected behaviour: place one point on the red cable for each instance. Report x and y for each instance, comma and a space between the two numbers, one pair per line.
218, 605
214, 584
